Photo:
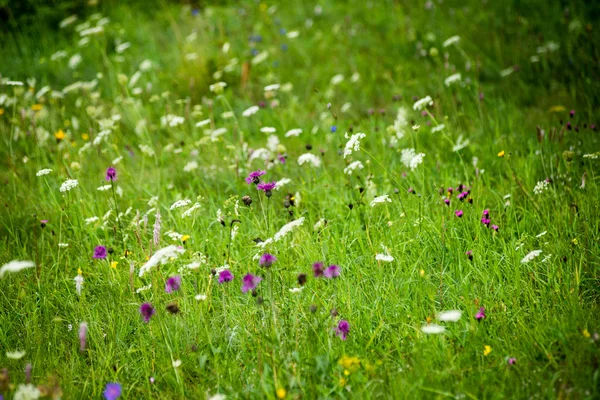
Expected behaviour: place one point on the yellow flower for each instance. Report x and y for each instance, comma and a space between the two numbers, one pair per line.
487, 350
36, 107
1, 111
501, 154
60, 135
586, 333
281, 393
114, 264
343, 381
575, 242
555, 109
78, 271
127, 252
185, 238
349, 363
422, 273
85, 136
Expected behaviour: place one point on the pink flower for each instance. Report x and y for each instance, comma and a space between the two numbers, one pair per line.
480, 314
459, 213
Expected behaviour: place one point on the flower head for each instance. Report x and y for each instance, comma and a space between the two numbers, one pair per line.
111, 174
495, 227
225, 276
459, 213
342, 329
173, 284
318, 269
112, 391
333, 271
253, 177
250, 282
100, 252
480, 314
511, 361
266, 260
266, 187
147, 311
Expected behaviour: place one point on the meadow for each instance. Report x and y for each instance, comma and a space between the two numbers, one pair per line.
300, 200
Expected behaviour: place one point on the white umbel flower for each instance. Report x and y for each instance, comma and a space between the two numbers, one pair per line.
268, 129
180, 203
540, 187
451, 40
381, 199
293, 132
411, 159
68, 185
422, 103
452, 79
162, 256
353, 166
353, 143
309, 158
43, 172
450, 316
433, 329
531, 256
250, 111
15, 266
384, 258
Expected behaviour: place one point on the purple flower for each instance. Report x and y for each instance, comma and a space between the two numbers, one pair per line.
249, 282
318, 269
266, 186
267, 260
147, 311
254, 177
100, 252
43, 223
225, 276
470, 254
462, 196
495, 227
112, 391
173, 284
281, 158
333, 271
111, 174
459, 213
450, 190
572, 113
486, 213
485, 221
447, 202
342, 329
511, 361
82, 336
480, 314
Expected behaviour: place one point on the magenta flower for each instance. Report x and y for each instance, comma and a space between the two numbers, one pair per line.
462, 196
470, 254
511, 361
318, 269
147, 311
485, 221
254, 177
111, 174
112, 391
266, 186
173, 284
342, 329
281, 158
486, 213
459, 213
43, 223
480, 314
447, 202
495, 227
250, 282
267, 260
225, 276
100, 252
333, 271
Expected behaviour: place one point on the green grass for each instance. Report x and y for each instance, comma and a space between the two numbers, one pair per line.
544, 312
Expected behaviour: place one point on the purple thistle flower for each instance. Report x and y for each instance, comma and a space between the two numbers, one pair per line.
486, 213
100, 252
459, 213
470, 254
266, 186
112, 391
111, 174
572, 113
281, 158
318, 269
147, 311
173, 284
333, 271
43, 223
225, 276
462, 196
254, 177
82, 336
495, 227
266, 260
450, 190
250, 282
511, 361
447, 202
342, 329
485, 221
480, 314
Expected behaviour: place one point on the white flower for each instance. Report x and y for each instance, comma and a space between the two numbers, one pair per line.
531, 256
78, 283
74, 61
460, 144
451, 40
162, 256
67, 21
540, 187
422, 103
15, 266
384, 258
144, 288
171, 120
381, 199
411, 159
260, 57
180, 203
287, 228
217, 396
352, 167
43, 172
272, 88
189, 167
117, 160
450, 316
296, 289
452, 79
104, 188
250, 111
310, 158
189, 211
268, 129
319, 224
432, 329
282, 182
293, 132
217, 87
541, 234
203, 122
438, 128
91, 220
27, 392
292, 34
227, 115
506, 72
176, 363
63, 245
200, 297
15, 355
68, 185
353, 143
337, 79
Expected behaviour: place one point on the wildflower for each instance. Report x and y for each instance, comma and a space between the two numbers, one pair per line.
433, 329
60, 135
173, 284
200, 297
113, 264
267, 187
480, 314
218, 87
250, 111
309, 158
287, 228
411, 159
147, 311
43, 172
469, 255
531, 256
82, 336
352, 167
172, 308
225, 276
161, 257
112, 391
353, 143
380, 199
451, 40
384, 258
459, 213
266, 260
15, 266
281, 393
293, 132
111, 174
78, 282
447, 202
422, 103
495, 227
452, 78
250, 282
15, 355
540, 187
180, 203
487, 350
68, 185
450, 316
268, 129
27, 392
318, 269
342, 329
100, 252
253, 177
333, 271
511, 361
501, 154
